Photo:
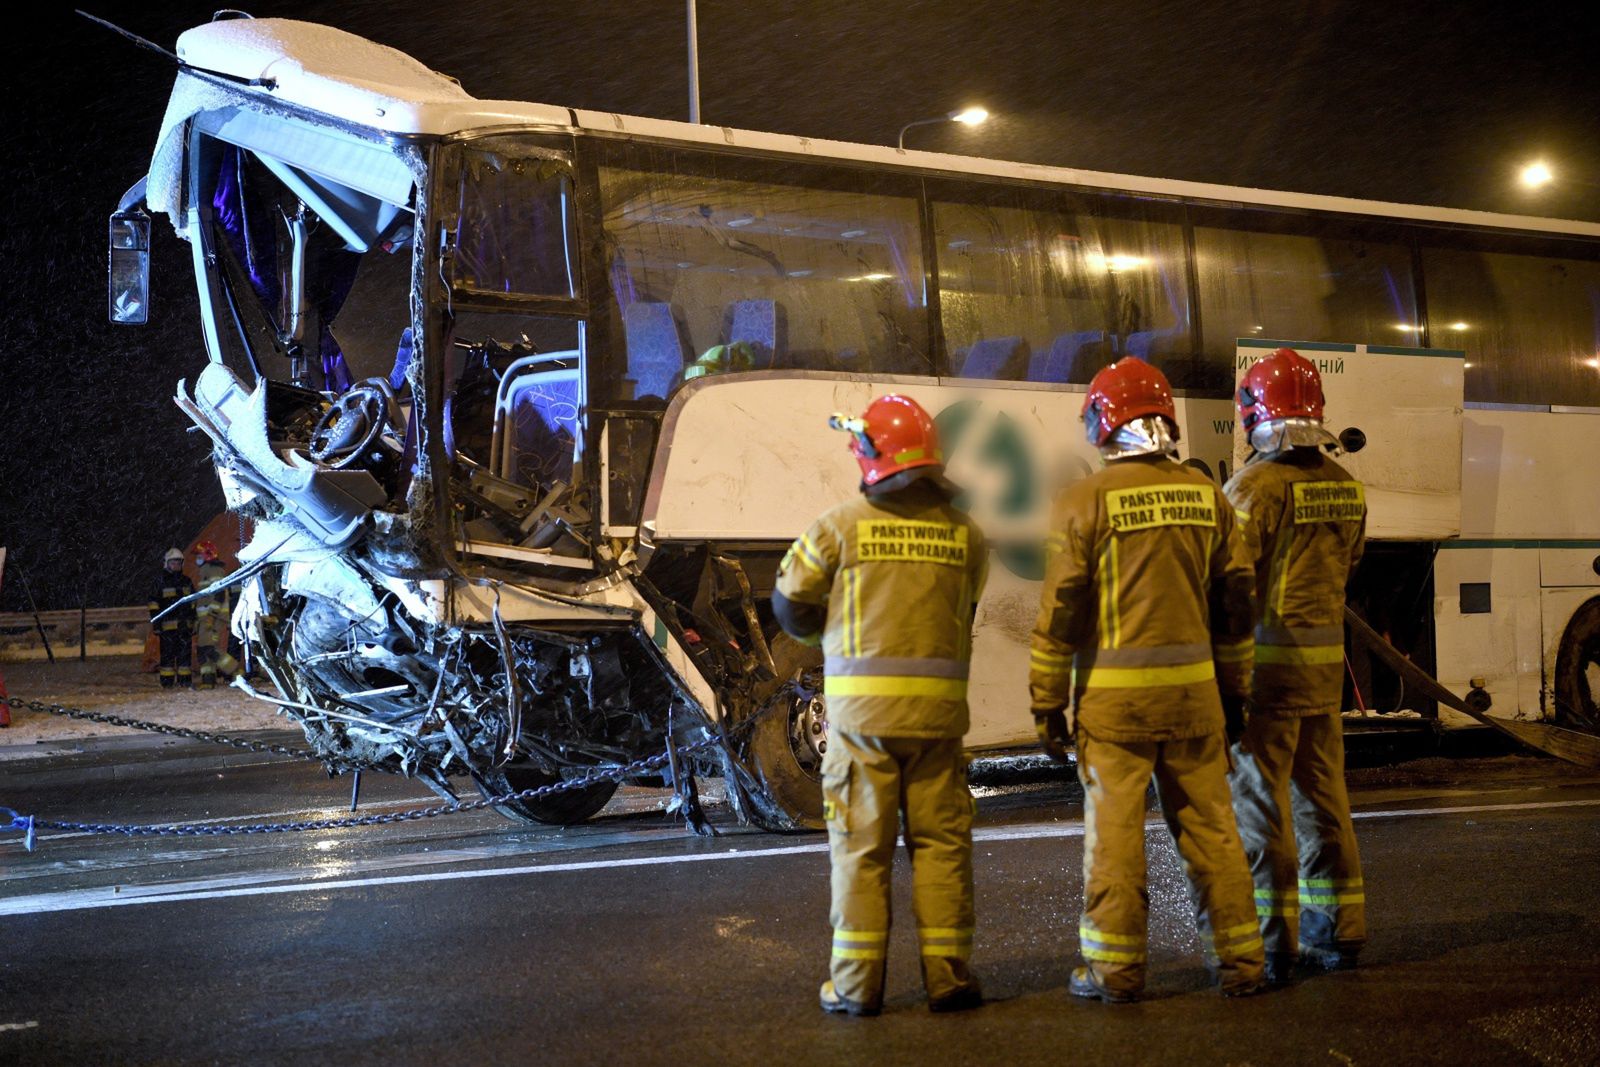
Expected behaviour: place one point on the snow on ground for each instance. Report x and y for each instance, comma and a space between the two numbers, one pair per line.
115, 685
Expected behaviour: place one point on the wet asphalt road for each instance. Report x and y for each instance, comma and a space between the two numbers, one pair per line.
471, 940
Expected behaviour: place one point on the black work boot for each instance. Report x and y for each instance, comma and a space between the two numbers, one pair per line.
1280, 969
834, 1003
967, 997
1327, 957
1086, 984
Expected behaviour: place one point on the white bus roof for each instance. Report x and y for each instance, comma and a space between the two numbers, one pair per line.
367, 84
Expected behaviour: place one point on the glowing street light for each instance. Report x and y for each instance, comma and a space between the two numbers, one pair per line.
971, 116
1537, 174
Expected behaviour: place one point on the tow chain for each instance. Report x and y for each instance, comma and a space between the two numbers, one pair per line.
29, 825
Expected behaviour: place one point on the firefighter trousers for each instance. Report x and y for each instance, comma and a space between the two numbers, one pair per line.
1294, 817
1192, 785
175, 656
867, 784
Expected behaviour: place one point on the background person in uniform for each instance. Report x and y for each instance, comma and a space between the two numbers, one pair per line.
173, 630
1303, 521
211, 619
1145, 609
890, 582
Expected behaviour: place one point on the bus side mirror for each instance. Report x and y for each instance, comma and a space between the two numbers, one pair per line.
128, 296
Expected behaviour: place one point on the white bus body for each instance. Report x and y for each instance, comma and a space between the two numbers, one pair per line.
504, 529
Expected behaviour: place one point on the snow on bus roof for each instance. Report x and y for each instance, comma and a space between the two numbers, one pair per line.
368, 84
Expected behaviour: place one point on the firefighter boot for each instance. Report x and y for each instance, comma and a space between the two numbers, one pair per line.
834, 1004
1086, 984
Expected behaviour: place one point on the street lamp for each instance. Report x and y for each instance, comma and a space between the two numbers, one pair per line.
1537, 174
970, 116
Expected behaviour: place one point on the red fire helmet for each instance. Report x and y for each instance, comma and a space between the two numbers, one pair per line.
1128, 389
894, 434
1284, 385
206, 550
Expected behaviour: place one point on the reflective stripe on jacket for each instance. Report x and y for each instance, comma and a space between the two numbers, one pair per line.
1125, 627
1303, 522
899, 574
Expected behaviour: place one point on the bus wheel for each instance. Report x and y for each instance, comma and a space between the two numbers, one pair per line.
786, 748
1577, 682
556, 809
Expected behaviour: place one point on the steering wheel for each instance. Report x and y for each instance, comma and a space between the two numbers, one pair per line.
351, 425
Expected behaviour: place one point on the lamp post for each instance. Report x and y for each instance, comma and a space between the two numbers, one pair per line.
694, 64
971, 116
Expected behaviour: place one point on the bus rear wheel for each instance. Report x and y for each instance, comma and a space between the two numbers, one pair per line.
1577, 681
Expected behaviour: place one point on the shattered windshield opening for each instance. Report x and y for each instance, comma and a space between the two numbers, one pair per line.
336, 315
515, 235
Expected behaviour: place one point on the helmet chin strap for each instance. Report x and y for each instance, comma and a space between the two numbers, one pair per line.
1149, 435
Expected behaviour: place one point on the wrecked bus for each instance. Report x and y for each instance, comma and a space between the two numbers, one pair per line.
527, 402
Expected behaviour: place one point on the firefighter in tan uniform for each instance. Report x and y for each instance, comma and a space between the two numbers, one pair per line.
1303, 520
211, 619
1145, 611
889, 581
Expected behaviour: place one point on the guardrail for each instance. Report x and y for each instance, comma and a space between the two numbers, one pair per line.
95, 632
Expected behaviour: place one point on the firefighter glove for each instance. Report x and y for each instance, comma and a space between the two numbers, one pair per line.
1233, 717
1054, 736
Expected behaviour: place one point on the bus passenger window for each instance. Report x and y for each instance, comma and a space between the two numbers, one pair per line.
1530, 325
1051, 289
723, 265
1301, 287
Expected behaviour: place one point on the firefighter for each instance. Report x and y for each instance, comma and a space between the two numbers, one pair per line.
173, 630
1145, 612
889, 583
1303, 521
211, 619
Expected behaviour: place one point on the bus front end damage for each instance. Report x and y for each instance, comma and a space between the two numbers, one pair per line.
519, 673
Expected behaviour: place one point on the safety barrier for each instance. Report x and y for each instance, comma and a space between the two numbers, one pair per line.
96, 632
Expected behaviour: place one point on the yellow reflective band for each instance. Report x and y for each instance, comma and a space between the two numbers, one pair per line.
1330, 883
1301, 654
852, 613
894, 685
1089, 933
1328, 502
1233, 651
1110, 618
1233, 932
1240, 946
830, 811
1101, 955
807, 553
946, 931
1329, 900
1244, 516
1056, 542
1165, 505
1281, 911
1148, 677
1050, 662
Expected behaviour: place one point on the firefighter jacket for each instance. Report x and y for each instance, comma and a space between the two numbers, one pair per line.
899, 574
170, 588
1303, 523
211, 613
1145, 610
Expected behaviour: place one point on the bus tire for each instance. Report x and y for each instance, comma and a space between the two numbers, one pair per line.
1578, 669
786, 747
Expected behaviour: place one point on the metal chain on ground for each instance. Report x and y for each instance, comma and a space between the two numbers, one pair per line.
10, 819
160, 728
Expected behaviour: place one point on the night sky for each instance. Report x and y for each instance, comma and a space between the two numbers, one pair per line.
1434, 103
